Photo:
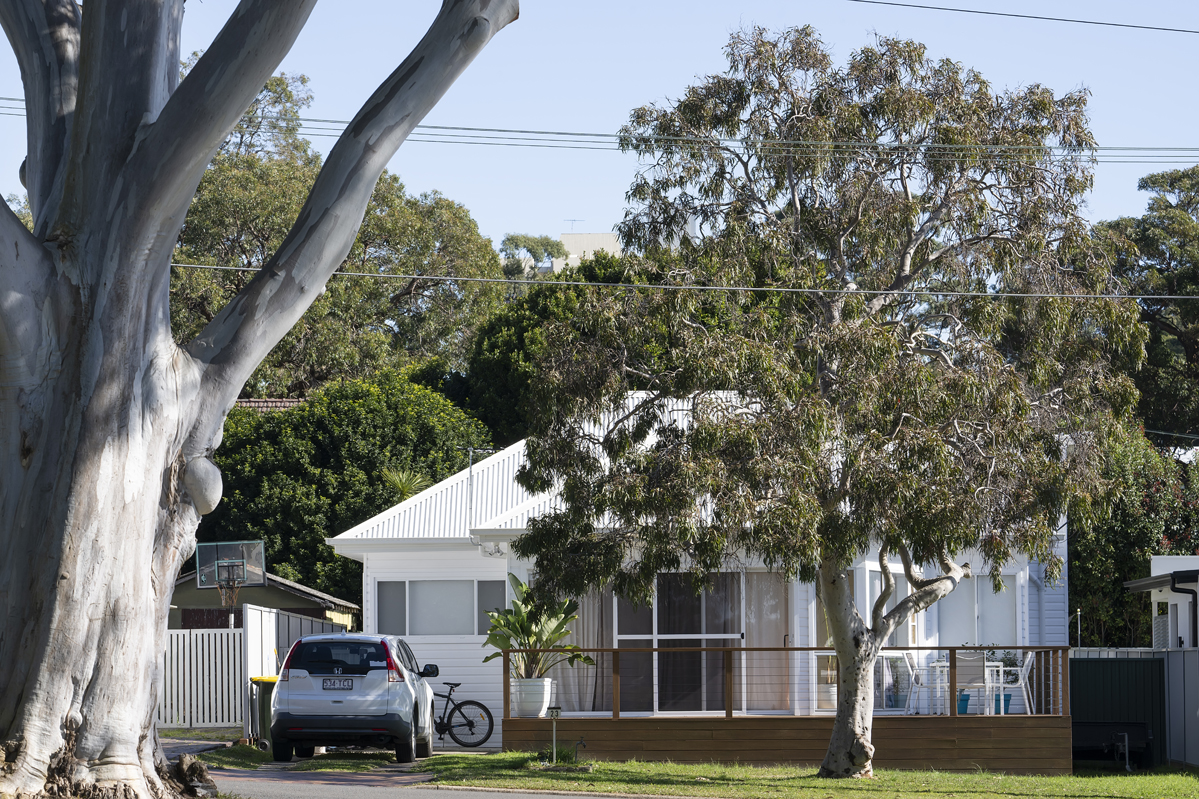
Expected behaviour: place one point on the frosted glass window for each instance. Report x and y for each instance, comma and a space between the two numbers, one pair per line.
442, 607
997, 613
491, 597
956, 615
392, 607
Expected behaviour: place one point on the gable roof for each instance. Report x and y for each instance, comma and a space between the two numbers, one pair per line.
275, 581
442, 512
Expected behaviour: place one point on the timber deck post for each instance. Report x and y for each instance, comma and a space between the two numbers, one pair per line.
507, 685
615, 685
953, 682
728, 683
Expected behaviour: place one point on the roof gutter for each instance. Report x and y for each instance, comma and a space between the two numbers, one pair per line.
1194, 606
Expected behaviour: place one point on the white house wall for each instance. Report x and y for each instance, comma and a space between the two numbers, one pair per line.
459, 657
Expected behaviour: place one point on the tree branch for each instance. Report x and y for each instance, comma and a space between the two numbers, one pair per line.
175, 149
878, 615
928, 591
246, 330
44, 35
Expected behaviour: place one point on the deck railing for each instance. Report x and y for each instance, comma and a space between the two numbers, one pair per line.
710, 680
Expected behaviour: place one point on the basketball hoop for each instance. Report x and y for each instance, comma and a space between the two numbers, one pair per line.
229, 589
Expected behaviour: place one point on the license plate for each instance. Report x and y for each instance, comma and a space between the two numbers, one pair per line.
337, 685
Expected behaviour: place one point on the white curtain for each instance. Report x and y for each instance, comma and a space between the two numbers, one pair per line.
767, 612
587, 688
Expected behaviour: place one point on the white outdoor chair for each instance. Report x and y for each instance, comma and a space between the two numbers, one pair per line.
1021, 672
975, 673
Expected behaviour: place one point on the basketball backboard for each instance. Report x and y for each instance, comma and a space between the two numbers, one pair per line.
230, 563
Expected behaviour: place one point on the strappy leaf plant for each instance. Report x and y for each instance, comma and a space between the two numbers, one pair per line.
522, 627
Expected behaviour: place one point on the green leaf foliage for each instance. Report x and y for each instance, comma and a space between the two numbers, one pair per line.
524, 254
1156, 513
296, 477
527, 626
804, 426
1158, 254
246, 203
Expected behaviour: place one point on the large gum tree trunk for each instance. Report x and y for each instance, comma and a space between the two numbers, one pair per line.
850, 752
106, 425
858, 644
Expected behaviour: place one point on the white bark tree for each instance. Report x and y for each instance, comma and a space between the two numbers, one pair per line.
865, 398
106, 426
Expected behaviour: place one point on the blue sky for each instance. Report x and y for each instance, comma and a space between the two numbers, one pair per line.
569, 65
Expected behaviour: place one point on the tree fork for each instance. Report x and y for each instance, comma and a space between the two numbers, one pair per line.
106, 425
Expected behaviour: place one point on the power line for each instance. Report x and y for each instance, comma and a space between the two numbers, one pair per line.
1175, 435
1027, 16
576, 140
767, 289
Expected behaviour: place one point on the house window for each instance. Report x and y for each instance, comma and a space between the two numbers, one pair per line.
442, 607
437, 607
491, 597
392, 596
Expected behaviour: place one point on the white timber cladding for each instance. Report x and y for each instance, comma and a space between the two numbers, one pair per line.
458, 657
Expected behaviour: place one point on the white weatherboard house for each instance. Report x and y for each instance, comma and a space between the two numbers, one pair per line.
436, 562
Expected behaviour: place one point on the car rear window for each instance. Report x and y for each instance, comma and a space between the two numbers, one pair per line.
338, 657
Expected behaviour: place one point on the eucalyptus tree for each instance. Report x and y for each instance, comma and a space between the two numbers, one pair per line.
1157, 254
847, 401
106, 424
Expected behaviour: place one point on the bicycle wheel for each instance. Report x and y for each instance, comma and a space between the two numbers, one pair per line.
470, 723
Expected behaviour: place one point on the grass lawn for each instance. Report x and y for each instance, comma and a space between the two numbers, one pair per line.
521, 770
223, 734
346, 761
235, 757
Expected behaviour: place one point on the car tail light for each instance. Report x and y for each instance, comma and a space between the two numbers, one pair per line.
287, 663
393, 672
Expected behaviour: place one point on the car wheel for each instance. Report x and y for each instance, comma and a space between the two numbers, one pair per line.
406, 748
305, 751
281, 750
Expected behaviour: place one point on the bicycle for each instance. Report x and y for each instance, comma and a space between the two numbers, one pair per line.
470, 722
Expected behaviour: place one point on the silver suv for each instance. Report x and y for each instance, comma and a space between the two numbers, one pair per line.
352, 689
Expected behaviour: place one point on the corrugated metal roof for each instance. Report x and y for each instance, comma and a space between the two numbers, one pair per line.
442, 511
517, 518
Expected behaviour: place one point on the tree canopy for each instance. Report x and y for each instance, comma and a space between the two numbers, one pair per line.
846, 399
241, 214
1158, 254
524, 254
298, 476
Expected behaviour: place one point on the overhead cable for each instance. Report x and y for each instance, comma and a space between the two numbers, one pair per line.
692, 287
1027, 16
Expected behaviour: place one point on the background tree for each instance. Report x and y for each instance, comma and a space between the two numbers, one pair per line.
524, 255
860, 408
1158, 254
295, 477
1156, 512
107, 426
242, 212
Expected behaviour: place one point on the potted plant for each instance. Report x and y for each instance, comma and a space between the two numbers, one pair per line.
522, 628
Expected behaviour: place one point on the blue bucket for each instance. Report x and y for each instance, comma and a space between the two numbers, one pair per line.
963, 704
1007, 704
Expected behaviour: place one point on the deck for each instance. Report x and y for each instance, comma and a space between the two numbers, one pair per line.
1011, 744
1033, 740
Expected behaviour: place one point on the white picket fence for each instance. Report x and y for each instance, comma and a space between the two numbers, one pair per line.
203, 679
206, 673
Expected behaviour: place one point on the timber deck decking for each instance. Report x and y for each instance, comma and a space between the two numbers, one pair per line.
1014, 744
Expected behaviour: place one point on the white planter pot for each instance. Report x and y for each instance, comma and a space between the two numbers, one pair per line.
531, 698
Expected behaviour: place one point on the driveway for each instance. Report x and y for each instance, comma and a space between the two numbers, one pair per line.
378, 784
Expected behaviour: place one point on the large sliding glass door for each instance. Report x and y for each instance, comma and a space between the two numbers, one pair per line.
736, 609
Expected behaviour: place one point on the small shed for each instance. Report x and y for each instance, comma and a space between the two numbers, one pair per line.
1172, 585
194, 608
